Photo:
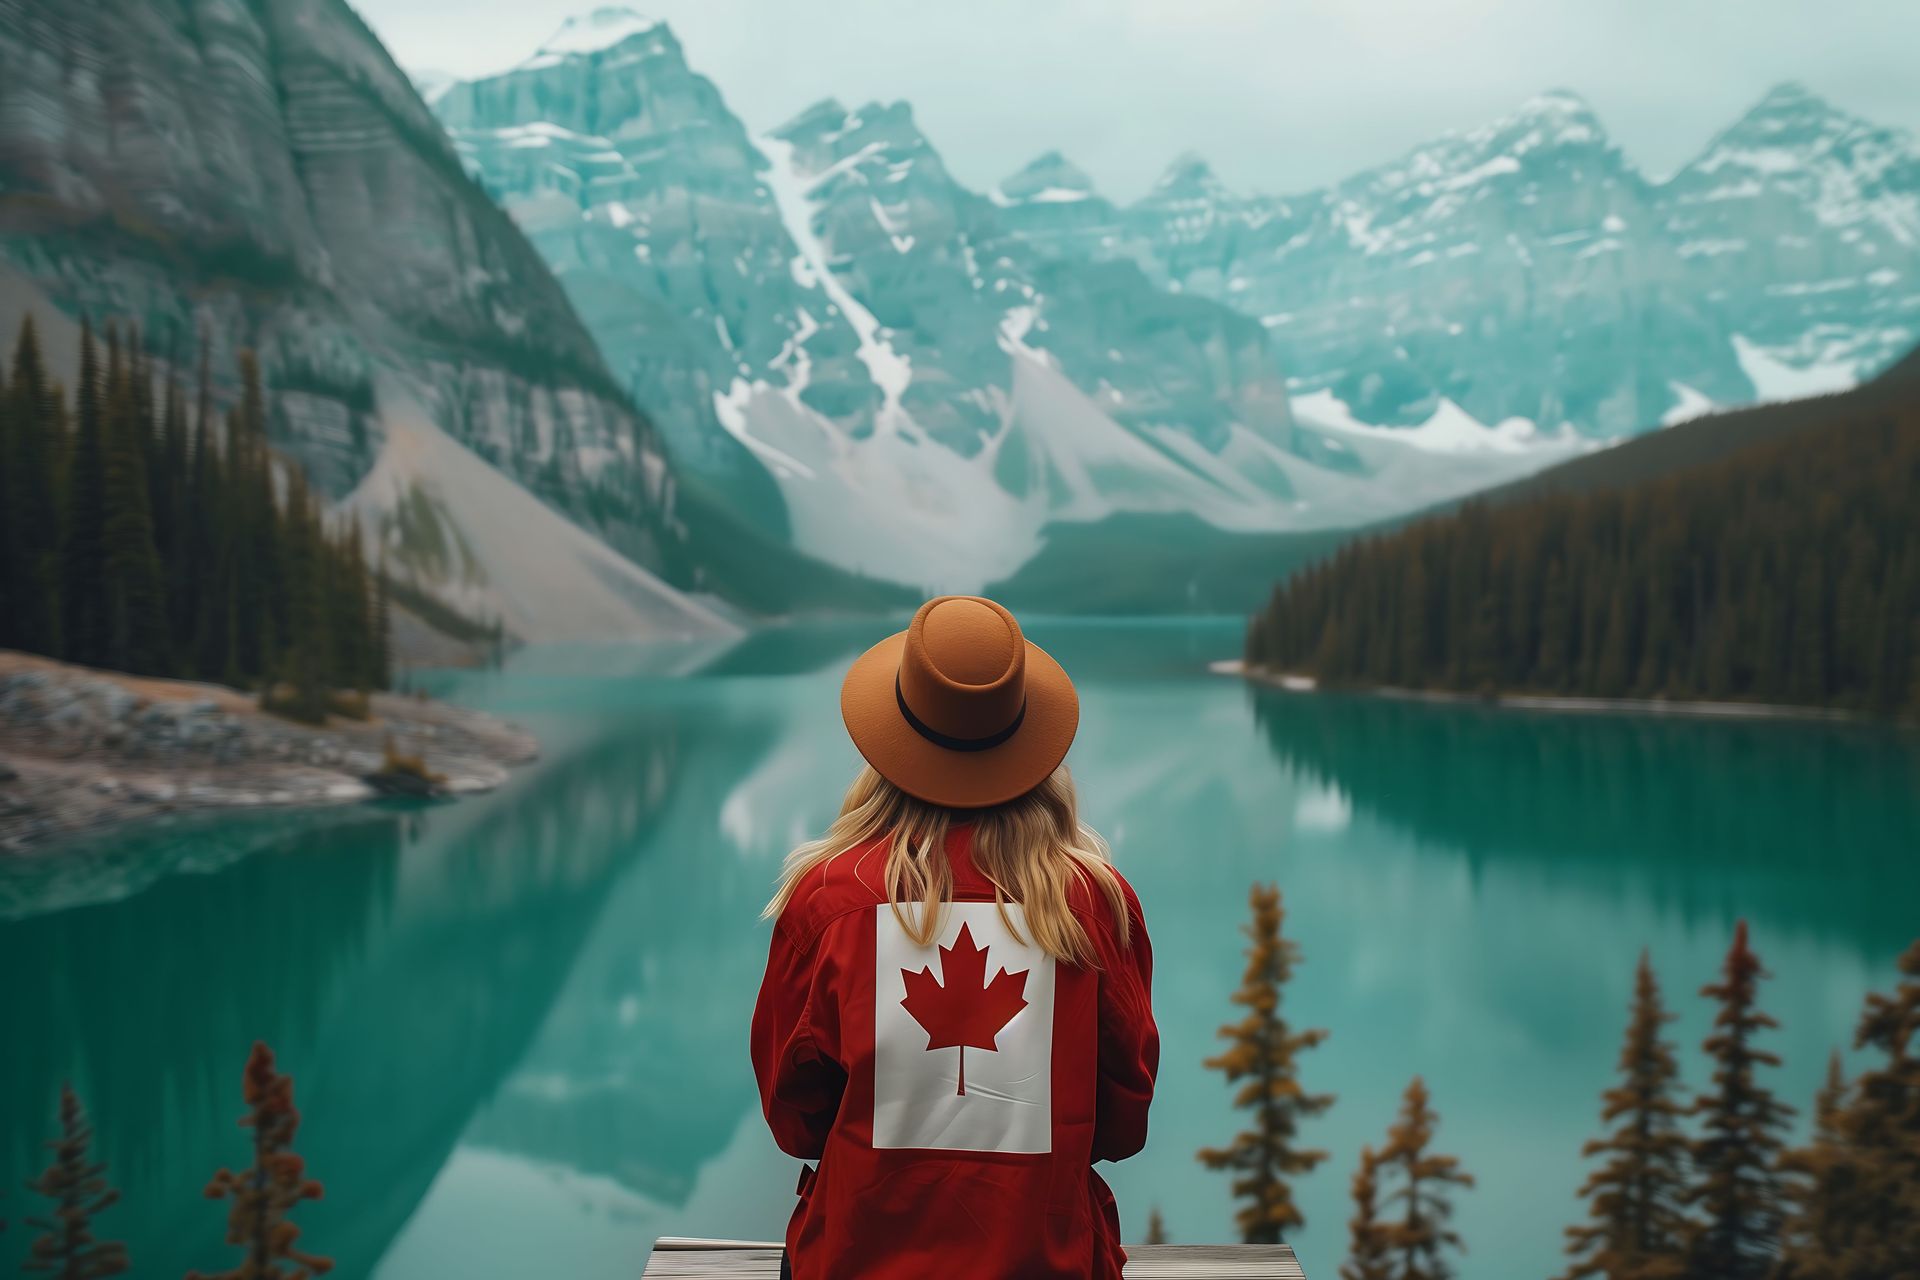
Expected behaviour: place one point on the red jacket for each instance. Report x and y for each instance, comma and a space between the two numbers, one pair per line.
955, 1097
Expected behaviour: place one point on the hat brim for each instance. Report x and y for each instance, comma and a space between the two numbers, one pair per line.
941, 775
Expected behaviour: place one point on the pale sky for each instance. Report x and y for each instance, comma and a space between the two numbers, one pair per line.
1282, 95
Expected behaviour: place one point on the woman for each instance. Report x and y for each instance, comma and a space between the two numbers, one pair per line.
955, 1020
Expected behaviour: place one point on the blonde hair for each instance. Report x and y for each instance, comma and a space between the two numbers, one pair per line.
1031, 849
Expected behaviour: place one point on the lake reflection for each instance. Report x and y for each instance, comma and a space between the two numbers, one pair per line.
518, 1023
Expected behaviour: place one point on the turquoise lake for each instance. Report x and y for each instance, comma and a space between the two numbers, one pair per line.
517, 1023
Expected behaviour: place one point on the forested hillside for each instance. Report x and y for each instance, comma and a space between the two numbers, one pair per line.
1786, 571
141, 537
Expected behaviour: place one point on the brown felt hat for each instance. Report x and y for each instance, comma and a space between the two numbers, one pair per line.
960, 709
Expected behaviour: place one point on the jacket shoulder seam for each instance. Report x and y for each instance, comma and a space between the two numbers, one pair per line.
804, 941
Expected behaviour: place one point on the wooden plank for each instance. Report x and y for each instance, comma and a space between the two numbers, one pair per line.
676, 1256
1222, 1261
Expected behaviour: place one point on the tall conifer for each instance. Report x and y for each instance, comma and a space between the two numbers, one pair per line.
1420, 1239
66, 1248
7, 446
382, 625
1820, 1177
1857, 1184
1369, 1254
1883, 1122
1737, 1187
32, 512
133, 589
83, 558
1261, 1057
265, 1193
1638, 1228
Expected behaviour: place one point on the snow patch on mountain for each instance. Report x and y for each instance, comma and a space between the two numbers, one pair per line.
1449, 429
890, 505
592, 32
890, 370
1775, 379
1689, 403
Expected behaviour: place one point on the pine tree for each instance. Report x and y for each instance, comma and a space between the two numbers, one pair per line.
306, 587
1262, 1049
1421, 1237
171, 516
1638, 1229
132, 587
1884, 1121
151, 553
1858, 1209
32, 514
1815, 1234
276, 1184
1556, 629
207, 551
1369, 1256
1737, 1189
6, 524
382, 626
78, 1188
33, 497
83, 557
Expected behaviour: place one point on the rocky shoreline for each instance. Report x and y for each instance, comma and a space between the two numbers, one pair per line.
82, 749
1293, 682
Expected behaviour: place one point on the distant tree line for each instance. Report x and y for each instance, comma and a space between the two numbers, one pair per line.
1786, 572
1700, 1188
139, 536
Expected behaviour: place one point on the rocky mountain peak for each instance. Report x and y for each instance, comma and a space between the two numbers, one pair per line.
1047, 177
597, 31
1189, 175
821, 117
1791, 93
1556, 121
1835, 169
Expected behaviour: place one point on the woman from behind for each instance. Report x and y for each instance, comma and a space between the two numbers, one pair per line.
955, 1023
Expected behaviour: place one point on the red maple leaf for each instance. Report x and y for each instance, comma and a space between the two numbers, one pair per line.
967, 1010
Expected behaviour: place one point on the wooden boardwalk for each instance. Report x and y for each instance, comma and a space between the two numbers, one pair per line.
748, 1260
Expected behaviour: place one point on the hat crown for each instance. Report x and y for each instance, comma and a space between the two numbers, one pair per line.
960, 709
963, 668
967, 641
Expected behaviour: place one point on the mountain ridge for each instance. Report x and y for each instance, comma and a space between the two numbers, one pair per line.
928, 389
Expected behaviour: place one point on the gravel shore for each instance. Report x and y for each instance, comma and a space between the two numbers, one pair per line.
82, 749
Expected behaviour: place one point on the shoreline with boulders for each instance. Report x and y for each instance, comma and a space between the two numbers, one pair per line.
82, 750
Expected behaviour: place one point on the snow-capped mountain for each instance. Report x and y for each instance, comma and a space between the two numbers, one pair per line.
1800, 228
932, 376
1528, 271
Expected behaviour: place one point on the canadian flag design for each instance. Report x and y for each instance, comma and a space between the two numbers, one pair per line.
963, 1034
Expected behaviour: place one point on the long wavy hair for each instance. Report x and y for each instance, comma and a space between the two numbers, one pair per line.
1031, 848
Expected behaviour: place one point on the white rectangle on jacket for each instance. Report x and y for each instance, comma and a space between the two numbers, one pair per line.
962, 1034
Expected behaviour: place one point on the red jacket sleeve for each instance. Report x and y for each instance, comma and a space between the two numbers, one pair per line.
1129, 1041
794, 1042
